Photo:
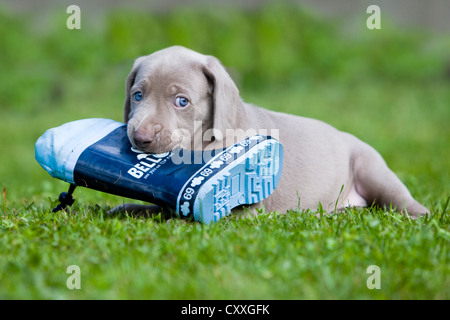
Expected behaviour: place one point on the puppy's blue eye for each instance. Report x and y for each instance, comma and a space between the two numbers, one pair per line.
137, 96
181, 102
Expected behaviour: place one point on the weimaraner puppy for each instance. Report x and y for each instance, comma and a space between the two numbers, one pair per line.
178, 97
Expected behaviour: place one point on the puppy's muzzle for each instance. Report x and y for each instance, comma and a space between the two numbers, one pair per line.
145, 137
143, 140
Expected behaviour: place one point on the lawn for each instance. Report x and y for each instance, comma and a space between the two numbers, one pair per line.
390, 88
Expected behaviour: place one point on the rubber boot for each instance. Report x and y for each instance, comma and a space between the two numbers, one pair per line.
205, 185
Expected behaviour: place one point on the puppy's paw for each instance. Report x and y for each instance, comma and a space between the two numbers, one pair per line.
416, 210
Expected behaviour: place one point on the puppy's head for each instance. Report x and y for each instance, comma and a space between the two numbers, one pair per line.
173, 96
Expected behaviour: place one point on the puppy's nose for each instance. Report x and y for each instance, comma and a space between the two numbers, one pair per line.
142, 139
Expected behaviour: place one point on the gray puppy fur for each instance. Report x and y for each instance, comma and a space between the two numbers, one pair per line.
321, 164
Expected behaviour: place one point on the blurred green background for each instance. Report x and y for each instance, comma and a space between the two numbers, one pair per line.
390, 87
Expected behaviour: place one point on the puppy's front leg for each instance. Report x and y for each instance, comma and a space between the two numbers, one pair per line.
136, 209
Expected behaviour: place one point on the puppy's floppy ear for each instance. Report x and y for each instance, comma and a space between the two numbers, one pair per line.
226, 97
129, 83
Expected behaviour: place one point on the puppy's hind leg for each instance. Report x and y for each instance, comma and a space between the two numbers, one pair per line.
377, 184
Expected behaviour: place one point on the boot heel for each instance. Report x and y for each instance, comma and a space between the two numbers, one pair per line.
249, 179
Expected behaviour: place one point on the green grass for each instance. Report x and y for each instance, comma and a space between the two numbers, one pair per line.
292, 256
388, 88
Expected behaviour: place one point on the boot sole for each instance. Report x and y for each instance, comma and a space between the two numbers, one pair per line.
249, 179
